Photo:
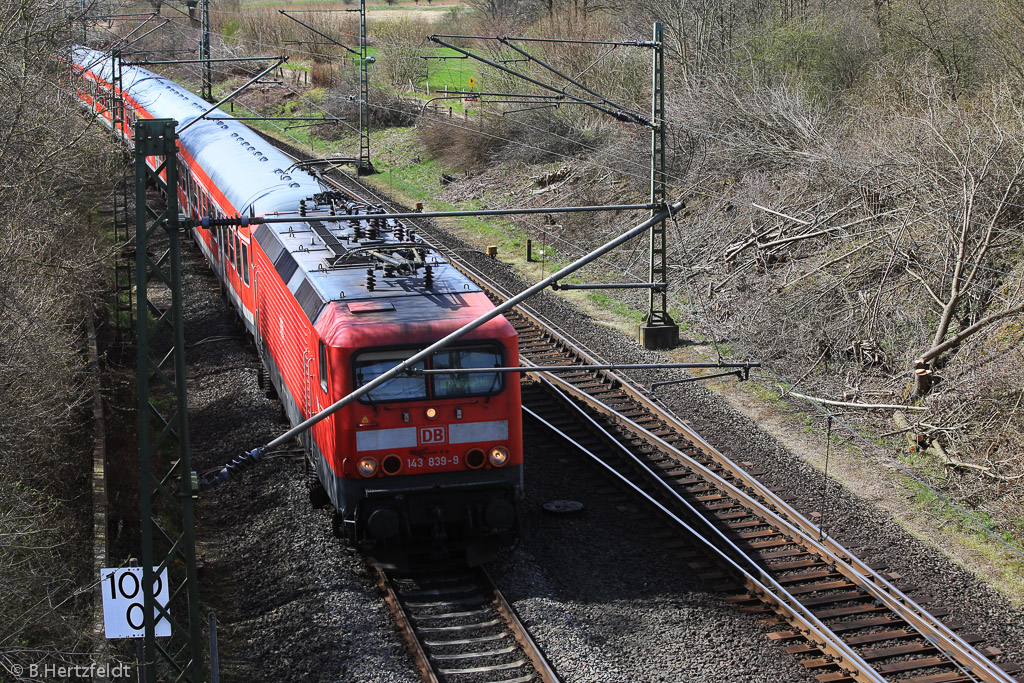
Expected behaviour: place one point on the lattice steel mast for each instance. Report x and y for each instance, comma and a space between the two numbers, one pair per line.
167, 484
658, 330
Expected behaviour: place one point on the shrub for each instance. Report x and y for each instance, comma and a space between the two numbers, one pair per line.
462, 148
824, 55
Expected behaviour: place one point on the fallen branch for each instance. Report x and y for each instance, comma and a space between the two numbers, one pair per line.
829, 263
780, 214
864, 406
818, 233
920, 442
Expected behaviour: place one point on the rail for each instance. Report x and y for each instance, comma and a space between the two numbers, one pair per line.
458, 624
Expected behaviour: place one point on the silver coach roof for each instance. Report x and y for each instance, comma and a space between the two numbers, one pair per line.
236, 158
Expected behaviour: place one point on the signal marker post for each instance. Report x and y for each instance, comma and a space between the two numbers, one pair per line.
124, 615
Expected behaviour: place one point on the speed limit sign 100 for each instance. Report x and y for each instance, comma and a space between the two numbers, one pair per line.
123, 614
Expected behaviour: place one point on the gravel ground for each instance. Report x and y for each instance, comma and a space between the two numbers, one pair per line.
600, 593
853, 521
608, 602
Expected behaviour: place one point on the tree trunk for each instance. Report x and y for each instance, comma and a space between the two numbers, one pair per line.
939, 349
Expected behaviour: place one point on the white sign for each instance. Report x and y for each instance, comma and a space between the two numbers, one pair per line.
123, 614
432, 435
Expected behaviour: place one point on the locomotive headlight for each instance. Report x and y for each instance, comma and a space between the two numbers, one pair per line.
498, 456
431, 413
367, 467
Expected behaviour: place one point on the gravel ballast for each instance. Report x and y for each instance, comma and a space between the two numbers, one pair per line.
292, 603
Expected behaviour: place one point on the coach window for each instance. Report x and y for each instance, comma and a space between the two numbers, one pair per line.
238, 253
323, 366
231, 247
245, 263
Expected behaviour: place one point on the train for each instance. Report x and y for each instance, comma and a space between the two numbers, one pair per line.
425, 466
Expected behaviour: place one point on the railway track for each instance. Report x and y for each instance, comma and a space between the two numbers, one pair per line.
844, 619
460, 628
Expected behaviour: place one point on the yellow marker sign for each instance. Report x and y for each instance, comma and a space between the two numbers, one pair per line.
472, 81
365, 420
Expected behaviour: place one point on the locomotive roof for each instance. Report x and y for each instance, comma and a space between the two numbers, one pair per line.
302, 258
319, 261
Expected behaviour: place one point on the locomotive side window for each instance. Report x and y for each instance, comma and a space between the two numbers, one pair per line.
323, 366
371, 365
448, 386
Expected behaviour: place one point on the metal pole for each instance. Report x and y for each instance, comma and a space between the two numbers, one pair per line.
204, 51
365, 166
147, 62
617, 114
612, 285
321, 33
461, 332
280, 61
658, 330
214, 653
573, 368
147, 662
570, 79
122, 236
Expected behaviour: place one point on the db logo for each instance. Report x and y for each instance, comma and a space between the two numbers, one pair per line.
432, 435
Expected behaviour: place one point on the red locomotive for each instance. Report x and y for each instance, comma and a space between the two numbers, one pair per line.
423, 464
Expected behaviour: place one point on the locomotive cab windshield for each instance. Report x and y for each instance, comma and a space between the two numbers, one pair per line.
371, 364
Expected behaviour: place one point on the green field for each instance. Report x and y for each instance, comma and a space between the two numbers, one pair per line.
451, 73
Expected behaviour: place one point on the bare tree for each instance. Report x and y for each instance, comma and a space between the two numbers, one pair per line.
400, 44
52, 159
974, 166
